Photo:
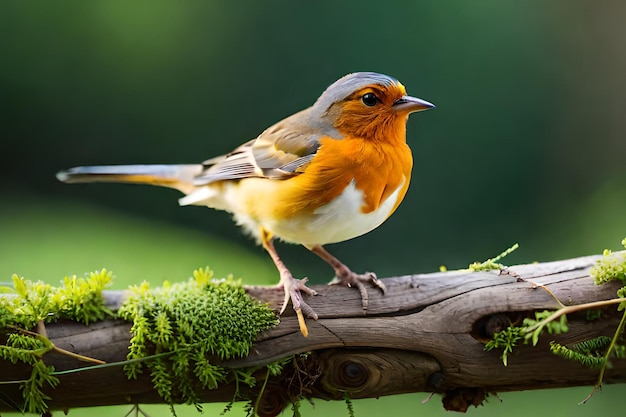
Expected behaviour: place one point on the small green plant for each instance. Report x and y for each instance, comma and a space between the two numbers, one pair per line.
25, 310
544, 320
505, 340
182, 329
589, 353
77, 299
493, 263
611, 267
594, 353
179, 332
349, 404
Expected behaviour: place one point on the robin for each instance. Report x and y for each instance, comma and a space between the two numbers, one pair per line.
326, 174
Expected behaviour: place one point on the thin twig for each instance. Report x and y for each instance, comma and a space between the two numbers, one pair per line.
52, 346
41, 328
616, 336
257, 403
548, 290
572, 309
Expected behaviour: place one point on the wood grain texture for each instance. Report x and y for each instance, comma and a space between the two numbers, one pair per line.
426, 333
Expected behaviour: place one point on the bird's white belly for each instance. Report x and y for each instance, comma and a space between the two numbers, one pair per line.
339, 220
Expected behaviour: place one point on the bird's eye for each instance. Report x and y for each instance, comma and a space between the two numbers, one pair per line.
369, 99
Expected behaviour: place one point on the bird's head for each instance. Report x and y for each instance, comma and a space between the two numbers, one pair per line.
368, 105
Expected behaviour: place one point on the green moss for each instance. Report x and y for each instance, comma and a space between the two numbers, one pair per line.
594, 353
179, 331
492, 264
184, 328
611, 267
77, 299
28, 303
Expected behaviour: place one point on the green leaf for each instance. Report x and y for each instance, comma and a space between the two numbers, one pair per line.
19, 286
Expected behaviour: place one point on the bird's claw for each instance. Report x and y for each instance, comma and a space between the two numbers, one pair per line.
359, 280
293, 289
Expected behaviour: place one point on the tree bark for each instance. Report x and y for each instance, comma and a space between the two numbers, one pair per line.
427, 333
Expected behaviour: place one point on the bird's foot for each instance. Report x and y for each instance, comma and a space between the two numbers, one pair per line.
293, 290
345, 276
351, 279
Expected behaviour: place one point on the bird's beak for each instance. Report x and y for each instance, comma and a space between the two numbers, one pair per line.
408, 104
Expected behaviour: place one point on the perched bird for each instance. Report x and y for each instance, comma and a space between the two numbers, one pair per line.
326, 174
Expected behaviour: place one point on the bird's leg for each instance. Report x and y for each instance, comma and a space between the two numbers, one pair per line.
345, 276
292, 287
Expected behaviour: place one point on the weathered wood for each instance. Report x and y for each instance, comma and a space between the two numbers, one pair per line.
426, 333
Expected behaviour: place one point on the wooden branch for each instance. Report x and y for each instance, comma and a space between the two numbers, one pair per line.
427, 333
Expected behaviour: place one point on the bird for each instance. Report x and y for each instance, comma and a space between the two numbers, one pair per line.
329, 173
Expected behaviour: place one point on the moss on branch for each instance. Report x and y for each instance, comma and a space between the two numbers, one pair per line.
179, 331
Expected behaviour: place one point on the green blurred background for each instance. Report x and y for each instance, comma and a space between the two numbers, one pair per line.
527, 143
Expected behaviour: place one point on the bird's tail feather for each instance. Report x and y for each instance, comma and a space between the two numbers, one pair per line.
179, 177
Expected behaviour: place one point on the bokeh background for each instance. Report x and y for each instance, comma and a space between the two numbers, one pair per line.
527, 143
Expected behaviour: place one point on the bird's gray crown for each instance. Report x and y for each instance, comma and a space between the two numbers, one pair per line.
350, 83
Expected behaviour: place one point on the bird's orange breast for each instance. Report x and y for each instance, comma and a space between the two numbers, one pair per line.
377, 168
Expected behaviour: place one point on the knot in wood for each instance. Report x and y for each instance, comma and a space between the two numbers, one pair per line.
352, 375
486, 327
364, 373
273, 401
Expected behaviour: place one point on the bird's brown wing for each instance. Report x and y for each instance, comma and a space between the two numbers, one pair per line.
280, 152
